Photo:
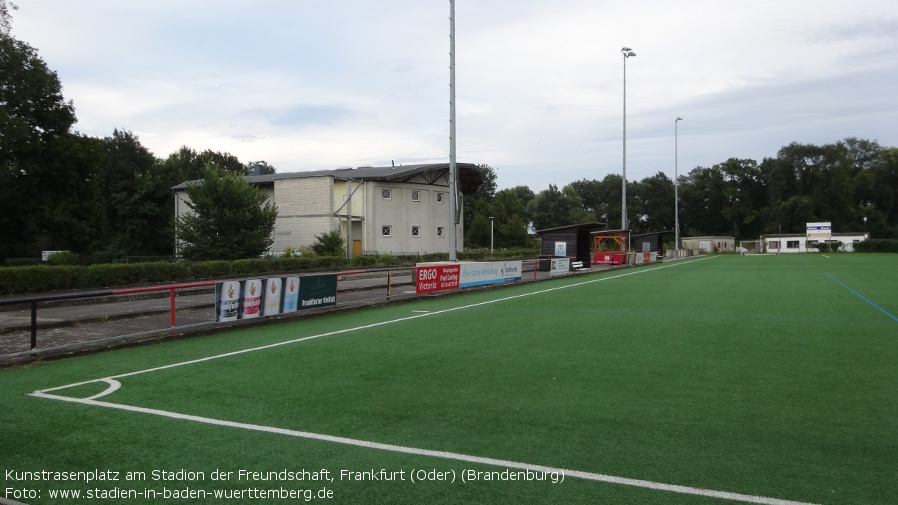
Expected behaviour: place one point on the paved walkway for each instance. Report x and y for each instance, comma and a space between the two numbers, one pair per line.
72, 326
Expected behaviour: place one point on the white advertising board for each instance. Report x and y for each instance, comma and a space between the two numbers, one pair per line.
820, 230
478, 274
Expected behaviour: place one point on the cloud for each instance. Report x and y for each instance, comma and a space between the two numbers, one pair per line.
303, 116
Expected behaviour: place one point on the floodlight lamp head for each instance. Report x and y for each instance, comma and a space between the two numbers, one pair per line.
625, 49
679, 119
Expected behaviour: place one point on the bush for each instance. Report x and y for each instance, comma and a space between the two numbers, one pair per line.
365, 261
49, 278
877, 245
329, 244
63, 258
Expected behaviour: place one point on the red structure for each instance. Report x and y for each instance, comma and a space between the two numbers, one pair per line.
609, 247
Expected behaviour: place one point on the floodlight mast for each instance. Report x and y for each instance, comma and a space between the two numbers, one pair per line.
453, 169
676, 187
627, 52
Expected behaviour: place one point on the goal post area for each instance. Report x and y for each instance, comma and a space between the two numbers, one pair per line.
752, 247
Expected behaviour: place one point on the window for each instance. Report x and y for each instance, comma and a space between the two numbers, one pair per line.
416, 196
416, 231
386, 194
791, 244
386, 231
440, 197
439, 231
774, 244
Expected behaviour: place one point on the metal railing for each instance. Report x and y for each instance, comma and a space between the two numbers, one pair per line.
34, 300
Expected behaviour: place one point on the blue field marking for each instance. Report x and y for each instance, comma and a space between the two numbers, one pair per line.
864, 298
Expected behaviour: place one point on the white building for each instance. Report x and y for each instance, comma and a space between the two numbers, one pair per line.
392, 210
800, 243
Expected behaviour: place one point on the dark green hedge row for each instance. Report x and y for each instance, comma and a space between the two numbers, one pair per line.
50, 278
877, 245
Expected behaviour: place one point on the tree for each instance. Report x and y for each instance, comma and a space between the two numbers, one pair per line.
553, 208
262, 165
602, 199
652, 204
131, 227
744, 196
5, 17
480, 202
329, 244
37, 183
231, 219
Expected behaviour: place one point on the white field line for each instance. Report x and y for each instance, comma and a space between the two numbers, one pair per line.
114, 385
563, 472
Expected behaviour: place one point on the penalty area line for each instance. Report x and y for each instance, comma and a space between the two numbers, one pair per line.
598, 477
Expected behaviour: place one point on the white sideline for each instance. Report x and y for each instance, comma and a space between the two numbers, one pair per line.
114, 385
611, 479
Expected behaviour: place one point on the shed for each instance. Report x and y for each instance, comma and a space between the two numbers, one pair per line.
572, 241
709, 244
651, 242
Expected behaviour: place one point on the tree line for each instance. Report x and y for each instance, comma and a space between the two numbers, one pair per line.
852, 183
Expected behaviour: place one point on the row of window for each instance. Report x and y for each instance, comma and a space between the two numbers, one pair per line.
387, 194
794, 244
387, 231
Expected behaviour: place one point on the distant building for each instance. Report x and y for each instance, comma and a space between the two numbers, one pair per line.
799, 242
394, 210
699, 245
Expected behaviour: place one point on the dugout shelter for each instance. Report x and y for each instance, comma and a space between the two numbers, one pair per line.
572, 241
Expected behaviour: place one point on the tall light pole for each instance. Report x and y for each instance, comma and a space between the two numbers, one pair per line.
676, 187
453, 170
627, 52
492, 220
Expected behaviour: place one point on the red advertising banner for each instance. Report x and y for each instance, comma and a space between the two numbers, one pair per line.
609, 258
432, 278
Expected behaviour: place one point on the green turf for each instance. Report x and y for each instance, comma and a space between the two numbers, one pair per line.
769, 376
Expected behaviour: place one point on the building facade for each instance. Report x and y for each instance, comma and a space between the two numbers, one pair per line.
379, 210
800, 243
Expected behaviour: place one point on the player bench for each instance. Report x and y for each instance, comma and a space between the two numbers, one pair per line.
577, 266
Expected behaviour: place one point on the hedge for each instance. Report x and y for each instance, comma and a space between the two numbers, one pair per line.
53, 278
877, 245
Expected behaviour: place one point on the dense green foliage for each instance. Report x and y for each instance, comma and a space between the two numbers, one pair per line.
230, 219
329, 244
877, 245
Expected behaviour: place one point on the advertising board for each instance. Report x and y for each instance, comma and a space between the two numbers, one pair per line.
436, 277
560, 266
819, 230
271, 296
479, 274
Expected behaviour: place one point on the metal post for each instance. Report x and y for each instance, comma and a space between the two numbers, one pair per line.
348, 219
676, 189
453, 175
492, 221
624, 224
33, 325
172, 318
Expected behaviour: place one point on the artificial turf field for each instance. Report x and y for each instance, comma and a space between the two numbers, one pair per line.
759, 379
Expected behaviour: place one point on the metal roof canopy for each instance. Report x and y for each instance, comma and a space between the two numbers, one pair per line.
469, 175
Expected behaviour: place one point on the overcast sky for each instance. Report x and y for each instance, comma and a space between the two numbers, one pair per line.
310, 85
